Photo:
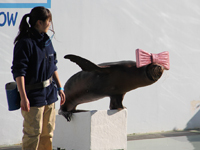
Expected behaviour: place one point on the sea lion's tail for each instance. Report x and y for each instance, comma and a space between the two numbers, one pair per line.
66, 114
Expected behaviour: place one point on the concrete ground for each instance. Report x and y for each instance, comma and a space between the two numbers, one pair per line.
176, 140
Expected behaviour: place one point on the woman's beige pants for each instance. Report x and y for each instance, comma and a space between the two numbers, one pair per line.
38, 127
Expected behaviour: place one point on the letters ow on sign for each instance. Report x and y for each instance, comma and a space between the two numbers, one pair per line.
10, 18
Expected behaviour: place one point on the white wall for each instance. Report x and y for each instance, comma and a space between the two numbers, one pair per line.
105, 31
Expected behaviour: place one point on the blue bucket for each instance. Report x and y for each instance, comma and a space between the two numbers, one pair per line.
13, 96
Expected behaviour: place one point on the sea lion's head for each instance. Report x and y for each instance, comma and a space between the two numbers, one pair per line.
154, 72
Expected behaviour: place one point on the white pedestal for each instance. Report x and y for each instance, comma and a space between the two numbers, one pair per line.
92, 130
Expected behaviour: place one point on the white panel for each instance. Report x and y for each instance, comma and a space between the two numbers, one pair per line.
105, 31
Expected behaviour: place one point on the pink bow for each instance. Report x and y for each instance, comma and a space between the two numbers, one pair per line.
144, 58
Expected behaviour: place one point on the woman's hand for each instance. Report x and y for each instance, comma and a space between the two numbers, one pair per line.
62, 97
25, 105
60, 92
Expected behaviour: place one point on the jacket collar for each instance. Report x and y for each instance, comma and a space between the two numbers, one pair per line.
40, 38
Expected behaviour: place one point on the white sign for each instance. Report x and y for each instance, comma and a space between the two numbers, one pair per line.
24, 3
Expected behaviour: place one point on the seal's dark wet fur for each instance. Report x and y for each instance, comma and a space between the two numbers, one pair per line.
112, 80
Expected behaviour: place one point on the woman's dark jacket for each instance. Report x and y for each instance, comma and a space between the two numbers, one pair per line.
35, 59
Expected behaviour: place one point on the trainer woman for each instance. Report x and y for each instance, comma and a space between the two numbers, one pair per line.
34, 69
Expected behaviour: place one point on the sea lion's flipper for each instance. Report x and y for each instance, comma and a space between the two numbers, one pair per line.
85, 64
116, 101
66, 114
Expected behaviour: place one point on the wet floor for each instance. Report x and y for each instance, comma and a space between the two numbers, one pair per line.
186, 140
169, 143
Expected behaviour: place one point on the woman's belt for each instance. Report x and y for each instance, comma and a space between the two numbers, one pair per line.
40, 85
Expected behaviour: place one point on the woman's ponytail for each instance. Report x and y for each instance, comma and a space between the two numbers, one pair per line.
23, 28
37, 13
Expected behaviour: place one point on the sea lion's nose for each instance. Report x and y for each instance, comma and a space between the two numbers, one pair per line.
158, 70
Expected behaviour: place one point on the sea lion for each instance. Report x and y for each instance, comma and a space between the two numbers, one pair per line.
112, 80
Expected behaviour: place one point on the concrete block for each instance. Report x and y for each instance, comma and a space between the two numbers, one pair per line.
92, 130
